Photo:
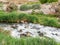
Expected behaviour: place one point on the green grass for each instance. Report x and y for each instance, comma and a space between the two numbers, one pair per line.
8, 40
31, 3
14, 17
1, 4
48, 20
26, 7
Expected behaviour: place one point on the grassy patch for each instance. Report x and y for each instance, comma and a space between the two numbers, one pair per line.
13, 17
8, 40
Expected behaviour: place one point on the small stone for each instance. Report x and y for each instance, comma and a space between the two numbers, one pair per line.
56, 34
52, 33
22, 35
20, 30
14, 26
40, 34
28, 34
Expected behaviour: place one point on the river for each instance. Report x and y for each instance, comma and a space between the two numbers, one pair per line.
33, 30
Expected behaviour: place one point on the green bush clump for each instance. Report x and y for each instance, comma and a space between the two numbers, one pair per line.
28, 7
3, 17
50, 22
31, 18
36, 6
47, 1
22, 16
25, 7
13, 17
8, 17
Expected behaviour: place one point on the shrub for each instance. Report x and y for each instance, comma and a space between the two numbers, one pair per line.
50, 1
29, 18
22, 16
50, 22
33, 19
25, 7
3, 17
12, 17
36, 6
47, 1
8, 17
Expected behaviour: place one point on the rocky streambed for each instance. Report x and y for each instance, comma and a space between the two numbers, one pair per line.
31, 30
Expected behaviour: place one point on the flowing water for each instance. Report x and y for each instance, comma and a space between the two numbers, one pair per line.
33, 30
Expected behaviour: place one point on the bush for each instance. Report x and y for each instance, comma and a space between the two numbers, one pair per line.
36, 6
50, 22
28, 18
3, 17
8, 17
22, 16
33, 19
12, 17
47, 1
25, 7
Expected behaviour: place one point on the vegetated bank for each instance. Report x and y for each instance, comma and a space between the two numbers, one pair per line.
42, 19
6, 39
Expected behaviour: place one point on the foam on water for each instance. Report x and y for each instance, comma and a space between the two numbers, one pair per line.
33, 29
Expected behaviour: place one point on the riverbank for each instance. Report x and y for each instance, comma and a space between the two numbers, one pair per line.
15, 17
